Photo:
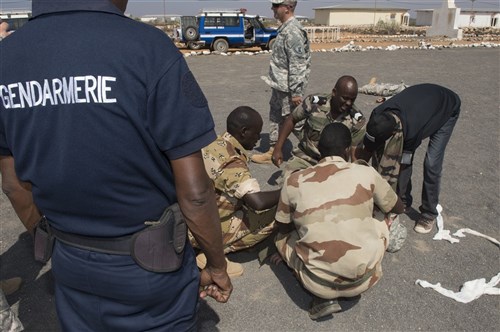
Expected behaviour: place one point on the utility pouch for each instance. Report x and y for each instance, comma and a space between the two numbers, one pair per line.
160, 247
44, 241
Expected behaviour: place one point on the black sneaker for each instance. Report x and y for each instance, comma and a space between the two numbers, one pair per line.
322, 307
424, 225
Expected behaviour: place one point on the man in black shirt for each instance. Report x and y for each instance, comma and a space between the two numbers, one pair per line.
395, 130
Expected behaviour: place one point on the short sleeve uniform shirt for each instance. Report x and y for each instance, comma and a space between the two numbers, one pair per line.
94, 124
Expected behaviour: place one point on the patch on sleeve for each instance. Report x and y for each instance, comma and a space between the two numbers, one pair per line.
192, 91
319, 100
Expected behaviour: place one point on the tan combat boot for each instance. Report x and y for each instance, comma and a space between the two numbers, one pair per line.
233, 269
11, 285
264, 158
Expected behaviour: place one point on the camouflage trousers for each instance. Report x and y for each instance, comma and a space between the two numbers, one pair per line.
244, 229
280, 106
285, 244
382, 89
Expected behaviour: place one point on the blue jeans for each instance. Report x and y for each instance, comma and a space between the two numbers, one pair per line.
102, 292
433, 167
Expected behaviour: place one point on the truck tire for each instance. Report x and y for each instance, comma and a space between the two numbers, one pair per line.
191, 33
194, 46
220, 45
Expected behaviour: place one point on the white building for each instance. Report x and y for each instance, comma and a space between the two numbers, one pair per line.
359, 15
480, 18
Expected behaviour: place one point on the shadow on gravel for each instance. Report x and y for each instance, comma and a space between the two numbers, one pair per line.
36, 295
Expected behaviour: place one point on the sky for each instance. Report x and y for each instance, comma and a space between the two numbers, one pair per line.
262, 7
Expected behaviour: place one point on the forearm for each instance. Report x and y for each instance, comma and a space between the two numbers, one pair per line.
262, 200
284, 132
19, 194
198, 204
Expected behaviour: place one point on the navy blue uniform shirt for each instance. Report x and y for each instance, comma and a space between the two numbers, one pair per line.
92, 107
423, 109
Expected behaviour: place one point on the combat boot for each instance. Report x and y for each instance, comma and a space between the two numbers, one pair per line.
264, 158
9, 286
233, 269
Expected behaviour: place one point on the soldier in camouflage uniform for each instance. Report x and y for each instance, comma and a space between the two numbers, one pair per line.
288, 71
317, 111
335, 246
396, 129
246, 212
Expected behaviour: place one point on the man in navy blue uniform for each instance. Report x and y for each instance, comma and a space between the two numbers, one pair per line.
396, 129
105, 122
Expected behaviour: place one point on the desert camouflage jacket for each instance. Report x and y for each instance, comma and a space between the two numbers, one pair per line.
315, 110
226, 163
290, 60
331, 205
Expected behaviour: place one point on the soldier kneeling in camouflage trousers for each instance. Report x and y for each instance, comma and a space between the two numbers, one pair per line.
327, 234
246, 212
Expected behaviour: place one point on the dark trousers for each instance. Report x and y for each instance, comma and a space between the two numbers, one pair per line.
433, 167
101, 292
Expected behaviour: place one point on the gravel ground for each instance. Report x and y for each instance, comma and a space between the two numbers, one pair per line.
268, 298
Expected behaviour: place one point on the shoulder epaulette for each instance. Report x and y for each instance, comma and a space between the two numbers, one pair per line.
319, 100
355, 114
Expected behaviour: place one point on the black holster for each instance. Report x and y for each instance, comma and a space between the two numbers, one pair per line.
44, 241
160, 247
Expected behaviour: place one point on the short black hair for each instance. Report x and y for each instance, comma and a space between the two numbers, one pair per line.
334, 139
242, 116
379, 128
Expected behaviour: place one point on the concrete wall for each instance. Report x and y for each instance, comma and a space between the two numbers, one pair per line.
355, 17
481, 20
424, 18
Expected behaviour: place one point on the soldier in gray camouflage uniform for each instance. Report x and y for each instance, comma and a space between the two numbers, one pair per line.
327, 234
317, 111
288, 71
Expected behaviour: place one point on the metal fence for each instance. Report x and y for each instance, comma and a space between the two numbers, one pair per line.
323, 34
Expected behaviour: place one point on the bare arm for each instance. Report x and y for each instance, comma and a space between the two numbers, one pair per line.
19, 194
285, 130
197, 202
262, 200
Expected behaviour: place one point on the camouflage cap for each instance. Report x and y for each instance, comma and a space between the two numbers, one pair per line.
284, 2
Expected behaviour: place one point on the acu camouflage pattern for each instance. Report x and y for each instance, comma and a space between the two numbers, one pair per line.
315, 110
387, 159
226, 163
290, 59
336, 239
382, 89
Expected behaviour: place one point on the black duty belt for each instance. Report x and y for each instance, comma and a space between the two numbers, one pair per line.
349, 283
115, 245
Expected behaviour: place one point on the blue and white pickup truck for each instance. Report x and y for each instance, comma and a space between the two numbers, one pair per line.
221, 29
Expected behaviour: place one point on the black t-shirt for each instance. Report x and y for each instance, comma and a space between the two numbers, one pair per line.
423, 109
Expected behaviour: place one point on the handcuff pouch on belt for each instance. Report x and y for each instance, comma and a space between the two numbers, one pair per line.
157, 248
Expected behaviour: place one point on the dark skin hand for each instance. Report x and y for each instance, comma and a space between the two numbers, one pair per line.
197, 201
